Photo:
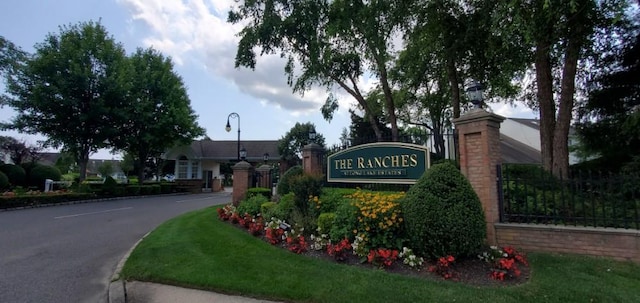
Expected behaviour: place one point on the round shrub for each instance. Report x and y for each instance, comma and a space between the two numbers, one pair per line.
267, 209
16, 174
284, 208
252, 205
40, 173
4, 181
325, 222
443, 215
109, 186
284, 185
344, 223
303, 187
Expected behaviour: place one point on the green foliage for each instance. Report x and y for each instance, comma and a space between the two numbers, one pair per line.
284, 185
325, 222
40, 173
291, 144
268, 209
332, 198
105, 169
37, 200
158, 110
443, 215
16, 174
133, 190
304, 187
4, 181
259, 191
285, 207
345, 222
252, 205
109, 186
77, 107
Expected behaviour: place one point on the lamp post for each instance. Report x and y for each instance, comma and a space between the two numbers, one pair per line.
265, 157
243, 154
475, 91
312, 136
228, 129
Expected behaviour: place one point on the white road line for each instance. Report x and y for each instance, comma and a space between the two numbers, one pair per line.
180, 201
93, 213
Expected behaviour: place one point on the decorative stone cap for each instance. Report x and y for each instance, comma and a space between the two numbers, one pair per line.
478, 114
242, 165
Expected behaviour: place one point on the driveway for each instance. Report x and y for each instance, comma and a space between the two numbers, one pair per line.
68, 253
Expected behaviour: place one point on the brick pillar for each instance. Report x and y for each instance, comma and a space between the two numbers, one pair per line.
265, 176
312, 159
479, 140
242, 173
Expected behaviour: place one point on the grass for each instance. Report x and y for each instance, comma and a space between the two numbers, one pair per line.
199, 251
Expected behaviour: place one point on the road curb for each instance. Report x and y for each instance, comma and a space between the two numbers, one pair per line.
117, 292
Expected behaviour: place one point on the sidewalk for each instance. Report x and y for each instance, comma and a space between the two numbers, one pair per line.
144, 292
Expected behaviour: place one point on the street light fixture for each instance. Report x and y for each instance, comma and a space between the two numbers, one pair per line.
228, 129
312, 135
265, 157
475, 91
243, 154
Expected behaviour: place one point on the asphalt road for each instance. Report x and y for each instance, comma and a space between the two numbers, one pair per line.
68, 253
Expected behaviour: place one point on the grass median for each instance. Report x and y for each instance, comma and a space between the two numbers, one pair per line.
197, 250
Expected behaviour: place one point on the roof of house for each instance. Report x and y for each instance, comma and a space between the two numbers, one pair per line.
225, 150
533, 123
514, 151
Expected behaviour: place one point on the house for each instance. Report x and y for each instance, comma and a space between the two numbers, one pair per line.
201, 160
520, 141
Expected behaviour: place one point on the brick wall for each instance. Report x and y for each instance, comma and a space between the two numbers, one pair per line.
619, 244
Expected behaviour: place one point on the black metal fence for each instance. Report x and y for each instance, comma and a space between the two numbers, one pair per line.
528, 194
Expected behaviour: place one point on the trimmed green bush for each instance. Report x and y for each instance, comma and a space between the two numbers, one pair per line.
325, 222
303, 187
267, 209
40, 173
443, 215
109, 186
259, 191
16, 174
133, 190
252, 205
285, 181
331, 198
4, 181
284, 208
344, 223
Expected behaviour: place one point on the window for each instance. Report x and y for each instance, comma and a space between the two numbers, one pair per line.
187, 169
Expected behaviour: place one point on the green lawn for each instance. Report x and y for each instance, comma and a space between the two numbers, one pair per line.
197, 250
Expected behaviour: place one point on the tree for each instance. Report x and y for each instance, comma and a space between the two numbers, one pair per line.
105, 169
70, 90
158, 113
66, 163
328, 42
11, 57
610, 120
291, 144
19, 151
558, 34
127, 164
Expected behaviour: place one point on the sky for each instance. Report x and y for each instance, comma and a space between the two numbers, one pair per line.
202, 46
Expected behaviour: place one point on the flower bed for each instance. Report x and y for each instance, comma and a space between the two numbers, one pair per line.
493, 267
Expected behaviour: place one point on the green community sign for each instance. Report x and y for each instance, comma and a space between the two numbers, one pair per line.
384, 162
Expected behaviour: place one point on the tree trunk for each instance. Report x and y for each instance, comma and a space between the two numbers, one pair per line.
452, 75
389, 103
82, 163
565, 109
544, 82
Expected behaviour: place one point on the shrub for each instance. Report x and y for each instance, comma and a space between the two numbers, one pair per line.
267, 209
345, 223
285, 181
305, 187
252, 205
109, 186
133, 190
40, 173
443, 215
4, 181
16, 174
325, 222
259, 191
284, 208
331, 198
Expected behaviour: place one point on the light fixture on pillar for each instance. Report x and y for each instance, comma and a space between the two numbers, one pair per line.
265, 157
312, 135
243, 153
475, 91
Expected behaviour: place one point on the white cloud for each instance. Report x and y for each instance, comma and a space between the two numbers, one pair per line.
196, 32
